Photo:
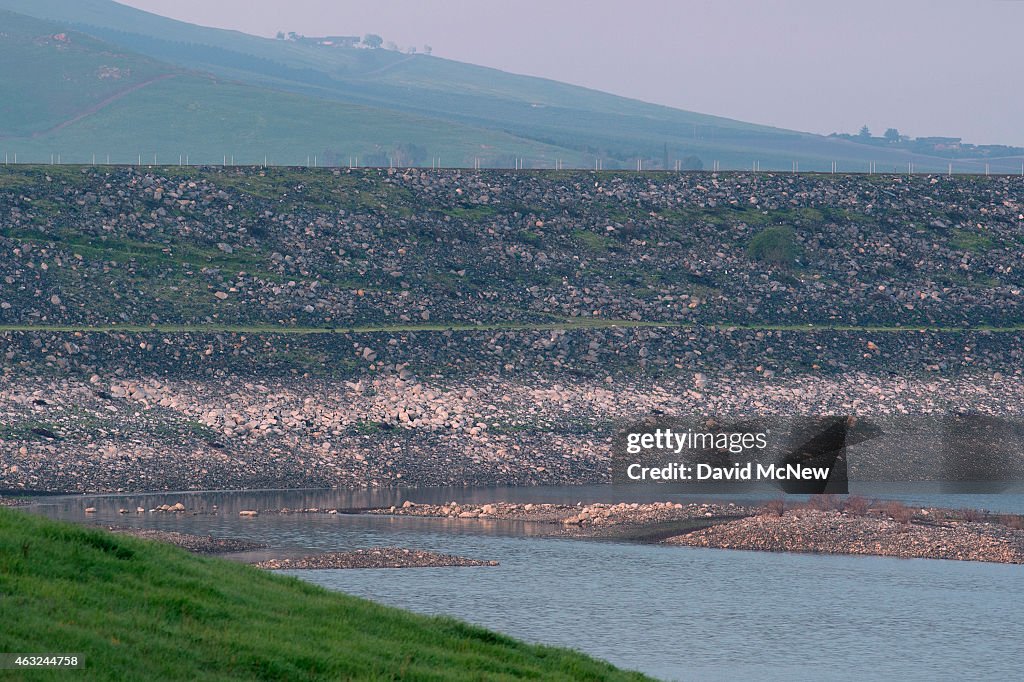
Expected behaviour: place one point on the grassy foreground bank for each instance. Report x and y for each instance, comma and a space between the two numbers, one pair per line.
136, 609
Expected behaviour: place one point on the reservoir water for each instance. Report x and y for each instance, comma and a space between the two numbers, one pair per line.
672, 612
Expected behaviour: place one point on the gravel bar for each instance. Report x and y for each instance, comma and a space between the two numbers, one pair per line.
377, 557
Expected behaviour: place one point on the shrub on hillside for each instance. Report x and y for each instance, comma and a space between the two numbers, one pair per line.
776, 245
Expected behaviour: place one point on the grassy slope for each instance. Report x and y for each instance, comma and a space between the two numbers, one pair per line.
194, 114
586, 121
142, 610
206, 119
182, 42
64, 78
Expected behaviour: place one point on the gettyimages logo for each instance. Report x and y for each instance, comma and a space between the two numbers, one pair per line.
796, 454
812, 455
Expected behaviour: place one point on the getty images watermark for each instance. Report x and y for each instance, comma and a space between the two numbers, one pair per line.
819, 454
800, 455
667, 440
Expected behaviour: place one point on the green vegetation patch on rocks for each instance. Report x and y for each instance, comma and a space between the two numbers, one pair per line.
776, 245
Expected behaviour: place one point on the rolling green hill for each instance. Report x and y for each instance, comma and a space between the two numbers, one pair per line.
484, 113
205, 120
136, 609
67, 76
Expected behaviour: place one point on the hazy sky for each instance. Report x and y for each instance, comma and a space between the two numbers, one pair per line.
927, 67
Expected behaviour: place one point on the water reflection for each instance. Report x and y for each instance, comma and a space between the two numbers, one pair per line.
229, 503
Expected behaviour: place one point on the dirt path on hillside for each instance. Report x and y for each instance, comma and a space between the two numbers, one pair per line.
96, 107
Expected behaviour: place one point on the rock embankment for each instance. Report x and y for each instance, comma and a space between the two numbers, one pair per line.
198, 544
459, 428
360, 247
454, 380
832, 532
378, 557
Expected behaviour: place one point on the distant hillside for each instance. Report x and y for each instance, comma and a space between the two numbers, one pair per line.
435, 107
70, 74
87, 100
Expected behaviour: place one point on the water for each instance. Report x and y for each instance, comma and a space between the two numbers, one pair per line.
1009, 499
683, 613
673, 612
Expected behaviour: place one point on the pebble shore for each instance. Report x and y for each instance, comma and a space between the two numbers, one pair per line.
926, 534
377, 557
573, 518
835, 533
198, 544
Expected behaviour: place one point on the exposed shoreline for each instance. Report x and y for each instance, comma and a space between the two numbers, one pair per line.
822, 525
394, 428
832, 532
376, 557
892, 530
627, 520
197, 544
